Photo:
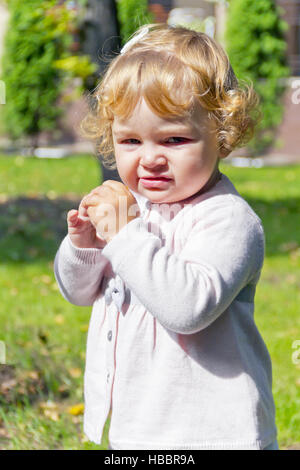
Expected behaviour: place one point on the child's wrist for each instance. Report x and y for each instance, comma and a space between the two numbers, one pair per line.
84, 245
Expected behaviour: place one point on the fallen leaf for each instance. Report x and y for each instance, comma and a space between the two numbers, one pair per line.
59, 319
76, 419
32, 194
52, 414
291, 279
50, 410
76, 410
48, 405
3, 198
46, 279
4, 434
8, 385
33, 374
75, 372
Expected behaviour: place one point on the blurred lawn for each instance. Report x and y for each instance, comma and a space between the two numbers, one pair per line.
45, 336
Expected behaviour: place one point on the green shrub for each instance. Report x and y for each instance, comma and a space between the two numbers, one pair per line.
131, 15
257, 50
37, 35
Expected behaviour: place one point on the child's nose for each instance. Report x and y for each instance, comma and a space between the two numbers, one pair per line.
152, 158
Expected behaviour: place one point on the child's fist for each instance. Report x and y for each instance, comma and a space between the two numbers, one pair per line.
110, 207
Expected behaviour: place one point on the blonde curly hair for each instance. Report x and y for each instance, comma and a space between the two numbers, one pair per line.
173, 69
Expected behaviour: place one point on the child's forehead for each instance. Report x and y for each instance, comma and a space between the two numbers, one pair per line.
143, 111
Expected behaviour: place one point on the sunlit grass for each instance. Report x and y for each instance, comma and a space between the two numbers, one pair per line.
46, 335
35, 177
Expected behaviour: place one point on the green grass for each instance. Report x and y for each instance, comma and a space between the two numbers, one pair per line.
36, 177
45, 336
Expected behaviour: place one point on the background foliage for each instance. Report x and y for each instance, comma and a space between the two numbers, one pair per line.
36, 64
131, 15
36, 37
256, 47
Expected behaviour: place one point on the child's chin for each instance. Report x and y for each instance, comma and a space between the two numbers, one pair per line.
160, 199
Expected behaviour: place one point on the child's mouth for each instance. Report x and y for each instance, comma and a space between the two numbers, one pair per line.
159, 182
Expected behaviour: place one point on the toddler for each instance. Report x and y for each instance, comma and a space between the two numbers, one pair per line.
170, 258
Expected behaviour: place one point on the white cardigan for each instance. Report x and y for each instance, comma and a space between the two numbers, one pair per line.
173, 350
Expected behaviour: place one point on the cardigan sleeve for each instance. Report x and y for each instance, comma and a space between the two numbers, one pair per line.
186, 292
79, 272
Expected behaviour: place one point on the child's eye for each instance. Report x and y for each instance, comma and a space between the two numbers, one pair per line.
131, 141
176, 140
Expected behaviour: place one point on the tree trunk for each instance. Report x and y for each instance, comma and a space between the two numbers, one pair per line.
101, 32
101, 41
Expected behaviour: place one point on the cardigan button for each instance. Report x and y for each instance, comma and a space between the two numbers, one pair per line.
109, 335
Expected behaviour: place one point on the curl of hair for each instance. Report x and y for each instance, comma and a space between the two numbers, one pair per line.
237, 118
173, 69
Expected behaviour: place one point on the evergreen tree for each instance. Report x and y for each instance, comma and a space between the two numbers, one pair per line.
256, 47
36, 37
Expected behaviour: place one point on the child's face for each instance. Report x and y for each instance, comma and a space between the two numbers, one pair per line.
164, 160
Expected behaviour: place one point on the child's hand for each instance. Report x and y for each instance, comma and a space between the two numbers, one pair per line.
81, 231
109, 208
